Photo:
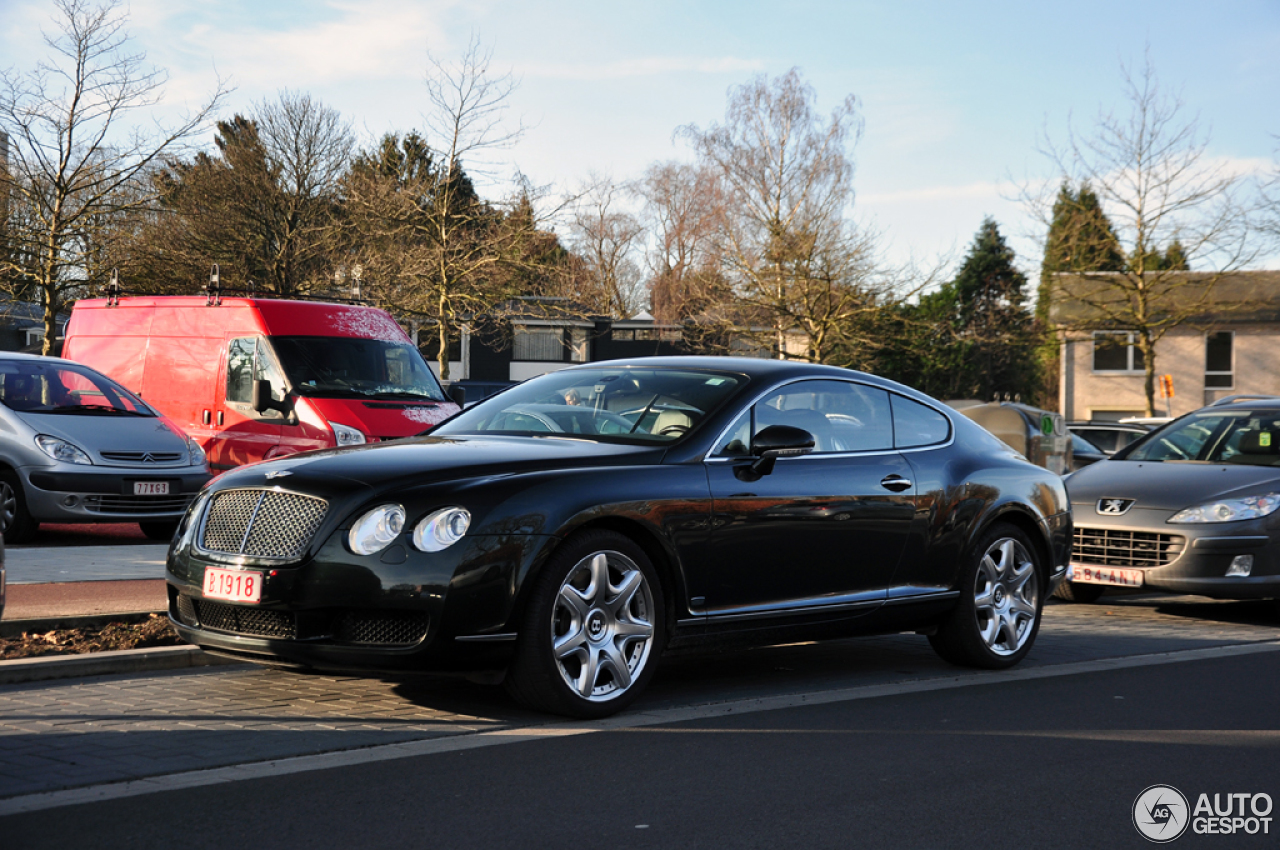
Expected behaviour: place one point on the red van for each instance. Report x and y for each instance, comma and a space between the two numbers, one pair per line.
252, 378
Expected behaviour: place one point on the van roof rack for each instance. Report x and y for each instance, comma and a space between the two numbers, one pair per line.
1238, 399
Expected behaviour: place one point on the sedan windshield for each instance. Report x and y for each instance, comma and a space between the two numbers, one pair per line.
622, 405
35, 386
1244, 437
350, 367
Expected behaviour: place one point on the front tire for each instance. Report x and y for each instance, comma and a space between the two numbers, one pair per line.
159, 529
1075, 591
1001, 601
592, 630
16, 523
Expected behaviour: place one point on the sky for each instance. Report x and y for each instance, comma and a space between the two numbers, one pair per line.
955, 98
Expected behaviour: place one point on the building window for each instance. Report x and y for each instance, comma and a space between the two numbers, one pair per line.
1116, 351
1219, 348
553, 345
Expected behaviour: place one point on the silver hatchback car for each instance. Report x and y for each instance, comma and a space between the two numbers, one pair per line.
75, 446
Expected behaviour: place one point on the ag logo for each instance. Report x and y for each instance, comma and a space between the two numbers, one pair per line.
1160, 813
1114, 507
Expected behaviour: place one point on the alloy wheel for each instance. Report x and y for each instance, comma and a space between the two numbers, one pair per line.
602, 626
1006, 595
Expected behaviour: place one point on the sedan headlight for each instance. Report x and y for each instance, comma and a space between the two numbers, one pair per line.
442, 529
346, 436
196, 453
62, 450
1229, 510
375, 530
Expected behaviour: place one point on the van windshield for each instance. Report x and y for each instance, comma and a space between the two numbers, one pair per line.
352, 367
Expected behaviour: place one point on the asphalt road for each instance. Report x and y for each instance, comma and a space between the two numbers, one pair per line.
1050, 762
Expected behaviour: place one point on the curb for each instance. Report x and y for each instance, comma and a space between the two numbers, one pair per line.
39, 625
44, 668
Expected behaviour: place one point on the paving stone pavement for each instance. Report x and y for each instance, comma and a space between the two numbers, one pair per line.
74, 733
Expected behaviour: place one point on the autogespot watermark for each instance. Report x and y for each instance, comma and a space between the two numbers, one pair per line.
1162, 813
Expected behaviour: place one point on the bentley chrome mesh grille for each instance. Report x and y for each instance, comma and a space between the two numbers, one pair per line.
261, 523
1111, 547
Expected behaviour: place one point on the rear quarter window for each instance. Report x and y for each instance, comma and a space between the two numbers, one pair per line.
915, 424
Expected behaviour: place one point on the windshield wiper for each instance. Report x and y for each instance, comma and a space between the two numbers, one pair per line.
403, 394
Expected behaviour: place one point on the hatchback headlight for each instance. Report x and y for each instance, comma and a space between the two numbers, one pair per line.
59, 449
1229, 510
442, 529
375, 530
344, 435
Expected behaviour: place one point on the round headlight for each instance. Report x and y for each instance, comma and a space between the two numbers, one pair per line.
374, 531
441, 529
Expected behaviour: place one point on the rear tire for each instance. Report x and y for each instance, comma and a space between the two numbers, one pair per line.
16, 523
1001, 601
592, 630
1075, 591
159, 529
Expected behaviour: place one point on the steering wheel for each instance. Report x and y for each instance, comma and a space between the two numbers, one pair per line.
674, 430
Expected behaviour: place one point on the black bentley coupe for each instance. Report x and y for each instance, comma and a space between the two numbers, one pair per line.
570, 530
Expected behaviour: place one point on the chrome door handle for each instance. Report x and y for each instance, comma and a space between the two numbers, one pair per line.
896, 483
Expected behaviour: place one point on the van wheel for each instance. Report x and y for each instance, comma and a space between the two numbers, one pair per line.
159, 529
16, 522
592, 630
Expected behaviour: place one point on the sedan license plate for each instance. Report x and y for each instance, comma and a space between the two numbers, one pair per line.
232, 585
1105, 575
151, 488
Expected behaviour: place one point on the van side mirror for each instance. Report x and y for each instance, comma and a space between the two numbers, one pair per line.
772, 443
262, 400
457, 394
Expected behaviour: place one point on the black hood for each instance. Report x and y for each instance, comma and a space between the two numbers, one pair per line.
424, 460
1168, 485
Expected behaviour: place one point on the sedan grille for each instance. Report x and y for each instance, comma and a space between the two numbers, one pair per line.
137, 505
261, 523
144, 457
1109, 547
388, 628
242, 620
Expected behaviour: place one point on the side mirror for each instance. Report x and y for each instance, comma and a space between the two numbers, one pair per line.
772, 443
457, 394
262, 400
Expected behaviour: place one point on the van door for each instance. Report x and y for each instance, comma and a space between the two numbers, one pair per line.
243, 435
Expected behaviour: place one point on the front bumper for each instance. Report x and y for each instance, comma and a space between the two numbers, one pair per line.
106, 493
1182, 558
398, 611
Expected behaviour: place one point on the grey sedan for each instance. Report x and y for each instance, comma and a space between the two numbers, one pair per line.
1193, 507
77, 447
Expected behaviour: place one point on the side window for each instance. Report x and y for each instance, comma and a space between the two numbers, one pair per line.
914, 424
842, 416
240, 356
249, 360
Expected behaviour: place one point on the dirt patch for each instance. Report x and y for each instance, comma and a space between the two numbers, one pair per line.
154, 631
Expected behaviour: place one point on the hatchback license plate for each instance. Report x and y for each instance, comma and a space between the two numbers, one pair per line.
1105, 575
151, 488
232, 585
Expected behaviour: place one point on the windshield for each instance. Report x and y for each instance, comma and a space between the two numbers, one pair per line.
640, 406
36, 386
351, 367
1249, 437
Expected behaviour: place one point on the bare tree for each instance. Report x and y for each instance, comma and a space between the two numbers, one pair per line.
430, 247
683, 211
606, 238
796, 260
74, 168
1159, 186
